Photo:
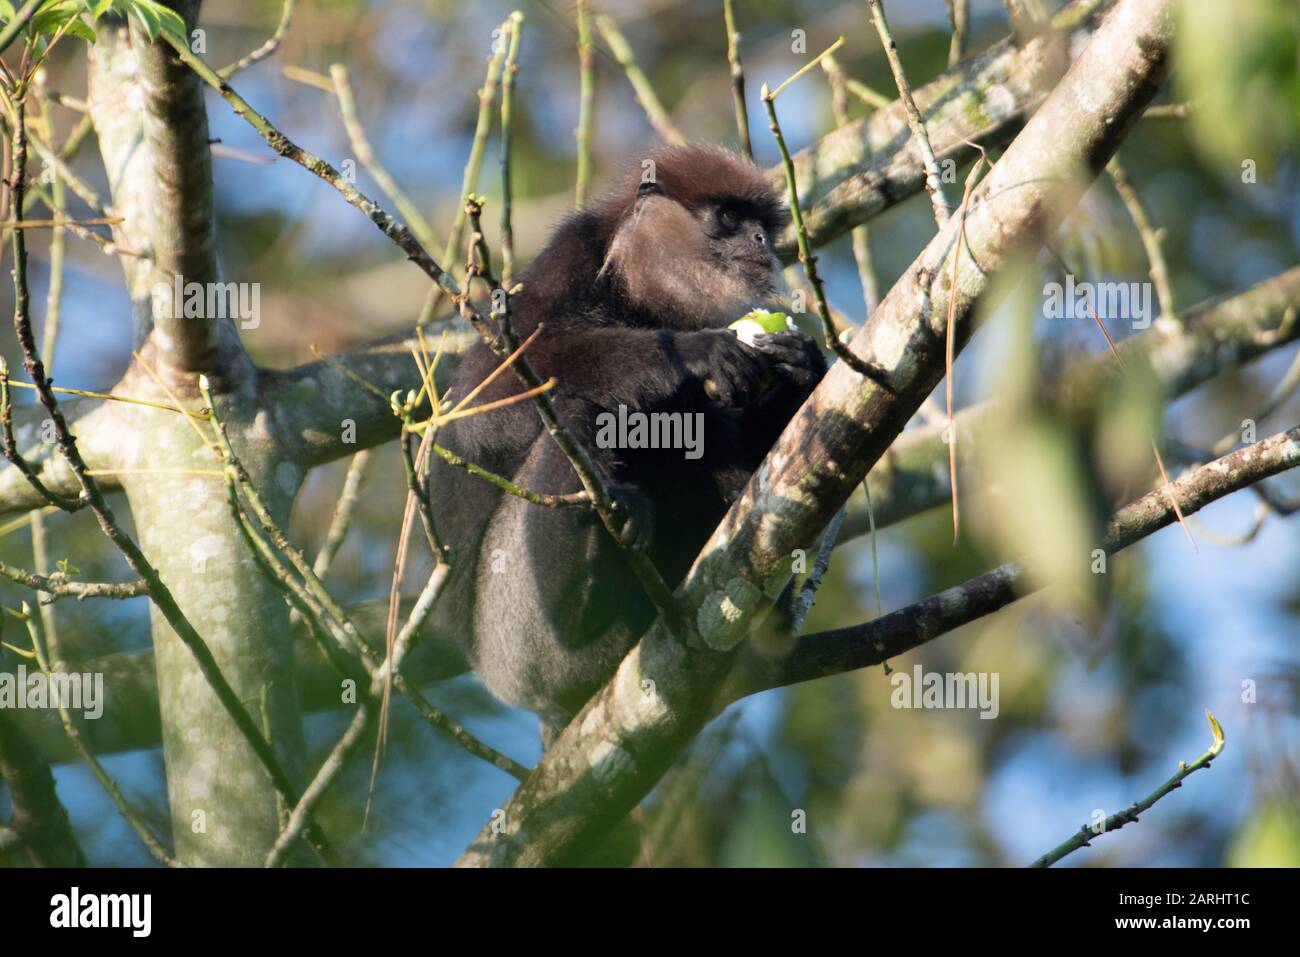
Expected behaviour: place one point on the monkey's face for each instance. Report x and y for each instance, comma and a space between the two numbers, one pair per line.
694, 268
740, 242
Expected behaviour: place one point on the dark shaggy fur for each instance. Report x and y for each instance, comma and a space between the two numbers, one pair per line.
635, 293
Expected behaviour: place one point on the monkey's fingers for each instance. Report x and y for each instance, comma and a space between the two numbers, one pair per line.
637, 515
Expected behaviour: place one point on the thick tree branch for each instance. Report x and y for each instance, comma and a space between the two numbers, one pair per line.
1216, 336
38, 817
858, 171
614, 751
874, 642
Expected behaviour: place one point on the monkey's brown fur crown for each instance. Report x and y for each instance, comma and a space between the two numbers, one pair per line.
569, 276
697, 176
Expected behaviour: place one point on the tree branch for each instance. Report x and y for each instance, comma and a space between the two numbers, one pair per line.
858, 171
619, 745
876, 641
38, 818
1213, 337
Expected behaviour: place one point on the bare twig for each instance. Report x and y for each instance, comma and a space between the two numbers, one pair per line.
1084, 836
1151, 239
342, 517
508, 73
366, 156
58, 585
586, 103
1284, 389
266, 49
645, 93
959, 17
933, 182
807, 593
860, 235
806, 258
569, 500
950, 343
473, 165
737, 77
874, 642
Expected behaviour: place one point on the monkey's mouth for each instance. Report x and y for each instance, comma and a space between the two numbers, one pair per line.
763, 261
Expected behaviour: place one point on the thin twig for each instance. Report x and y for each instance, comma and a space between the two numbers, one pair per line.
341, 520
473, 165
1084, 836
1168, 111
586, 103
1151, 238
806, 258
737, 77
950, 340
645, 93
266, 49
1284, 389
807, 593
508, 73
933, 182
569, 500
366, 157
959, 17
58, 585
59, 223
860, 235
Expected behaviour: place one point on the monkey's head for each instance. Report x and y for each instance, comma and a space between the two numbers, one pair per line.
690, 237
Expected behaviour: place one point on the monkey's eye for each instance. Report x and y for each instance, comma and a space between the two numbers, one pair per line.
727, 220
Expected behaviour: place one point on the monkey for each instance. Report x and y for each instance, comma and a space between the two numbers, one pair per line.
633, 296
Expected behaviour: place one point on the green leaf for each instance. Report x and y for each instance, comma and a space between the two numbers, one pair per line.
51, 17
149, 20
1217, 730
156, 19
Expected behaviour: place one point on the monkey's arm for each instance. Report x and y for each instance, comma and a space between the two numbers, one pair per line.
652, 369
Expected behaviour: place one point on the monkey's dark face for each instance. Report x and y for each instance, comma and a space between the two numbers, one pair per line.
694, 268
691, 247
742, 245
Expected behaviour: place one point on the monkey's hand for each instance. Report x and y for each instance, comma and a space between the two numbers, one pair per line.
729, 371
635, 511
795, 358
